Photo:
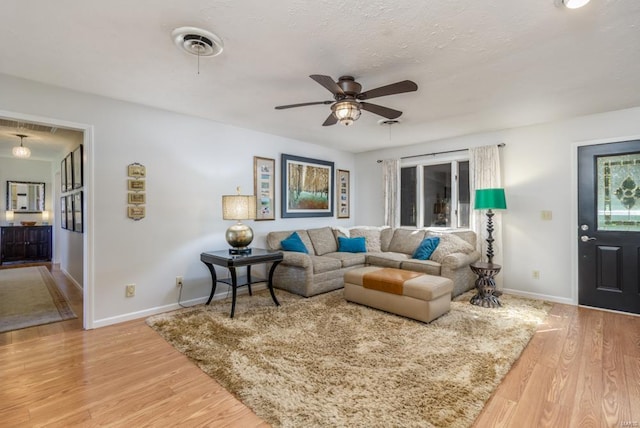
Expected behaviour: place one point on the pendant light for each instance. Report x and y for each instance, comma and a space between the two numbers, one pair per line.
21, 151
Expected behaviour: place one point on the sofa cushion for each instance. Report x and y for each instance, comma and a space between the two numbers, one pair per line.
424, 266
348, 259
385, 238
352, 245
449, 244
426, 248
323, 240
371, 236
406, 240
387, 259
325, 264
274, 238
294, 243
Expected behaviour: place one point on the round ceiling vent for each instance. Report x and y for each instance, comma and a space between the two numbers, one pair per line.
196, 41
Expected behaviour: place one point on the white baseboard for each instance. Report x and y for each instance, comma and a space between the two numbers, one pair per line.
71, 279
538, 296
172, 307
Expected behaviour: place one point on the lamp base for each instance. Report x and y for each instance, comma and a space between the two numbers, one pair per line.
239, 236
239, 251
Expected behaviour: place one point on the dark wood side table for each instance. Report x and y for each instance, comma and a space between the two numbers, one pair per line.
232, 261
486, 295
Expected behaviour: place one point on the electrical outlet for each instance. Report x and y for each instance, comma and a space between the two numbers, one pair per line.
179, 281
535, 274
130, 290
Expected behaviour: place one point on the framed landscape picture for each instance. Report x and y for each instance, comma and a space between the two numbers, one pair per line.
264, 177
307, 187
343, 195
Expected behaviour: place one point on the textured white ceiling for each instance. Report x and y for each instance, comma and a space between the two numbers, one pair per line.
480, 65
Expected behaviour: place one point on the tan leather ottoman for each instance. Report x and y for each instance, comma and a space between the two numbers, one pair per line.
410, 294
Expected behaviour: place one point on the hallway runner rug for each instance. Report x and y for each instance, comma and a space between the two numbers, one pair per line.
28, 297
324, 362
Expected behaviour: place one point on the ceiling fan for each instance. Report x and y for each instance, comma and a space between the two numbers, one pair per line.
348, 100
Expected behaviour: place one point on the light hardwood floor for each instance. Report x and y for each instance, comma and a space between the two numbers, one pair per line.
581, 369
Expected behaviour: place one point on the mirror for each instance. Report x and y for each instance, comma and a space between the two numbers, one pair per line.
25, 196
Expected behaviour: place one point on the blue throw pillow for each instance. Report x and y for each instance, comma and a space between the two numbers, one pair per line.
426, 248
294, 243
352, 245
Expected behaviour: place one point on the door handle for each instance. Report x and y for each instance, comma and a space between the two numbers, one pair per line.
585, 238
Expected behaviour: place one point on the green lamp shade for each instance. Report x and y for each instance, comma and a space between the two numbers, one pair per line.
490, 199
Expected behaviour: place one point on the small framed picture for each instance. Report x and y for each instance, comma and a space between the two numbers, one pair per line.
69, 179
77, 212
344, 201
136, 212
77, 167
136, 185
70, 212
264, 176
63, 212
136, 170
136, 198
63, 175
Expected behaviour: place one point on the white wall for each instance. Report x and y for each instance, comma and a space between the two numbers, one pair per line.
190, 163
538, 173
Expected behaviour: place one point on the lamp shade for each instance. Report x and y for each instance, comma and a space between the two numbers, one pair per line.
490, 199
238, 207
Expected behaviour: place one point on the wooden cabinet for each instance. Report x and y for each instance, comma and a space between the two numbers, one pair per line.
25, 243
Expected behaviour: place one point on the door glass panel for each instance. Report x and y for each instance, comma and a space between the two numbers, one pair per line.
619, 192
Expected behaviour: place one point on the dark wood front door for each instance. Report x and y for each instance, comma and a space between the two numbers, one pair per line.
609, 226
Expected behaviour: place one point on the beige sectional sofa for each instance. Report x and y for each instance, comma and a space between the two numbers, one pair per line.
323, 268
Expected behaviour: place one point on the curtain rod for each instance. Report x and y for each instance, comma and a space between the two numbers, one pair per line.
437, 153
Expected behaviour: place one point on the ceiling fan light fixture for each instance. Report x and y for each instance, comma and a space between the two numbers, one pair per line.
346, 112
21, 151
574, 4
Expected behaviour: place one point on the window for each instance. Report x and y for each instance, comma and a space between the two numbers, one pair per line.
435, 194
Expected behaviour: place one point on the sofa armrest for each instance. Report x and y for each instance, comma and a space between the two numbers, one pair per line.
459, 260
292, 258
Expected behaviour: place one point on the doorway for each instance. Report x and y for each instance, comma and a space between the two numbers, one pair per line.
48, 149
609, 226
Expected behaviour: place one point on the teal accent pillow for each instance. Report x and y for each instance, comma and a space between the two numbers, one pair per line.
294, 243
352, 245
426, 248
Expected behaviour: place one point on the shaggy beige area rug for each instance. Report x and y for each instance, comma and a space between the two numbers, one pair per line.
325, 362
28, 297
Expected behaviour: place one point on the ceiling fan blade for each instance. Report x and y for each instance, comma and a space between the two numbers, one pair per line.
328, 83
387, 112
303, 104
331, 120
394, 88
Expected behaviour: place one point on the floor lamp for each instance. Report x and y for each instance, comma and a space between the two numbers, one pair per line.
490, 199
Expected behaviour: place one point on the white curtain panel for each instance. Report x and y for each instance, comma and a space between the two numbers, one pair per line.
484, 170
391, 178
